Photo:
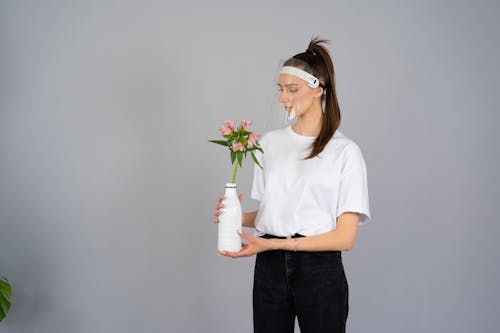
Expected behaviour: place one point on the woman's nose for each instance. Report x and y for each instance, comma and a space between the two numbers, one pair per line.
282, 98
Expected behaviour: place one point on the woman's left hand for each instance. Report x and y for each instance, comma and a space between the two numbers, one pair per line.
254, 245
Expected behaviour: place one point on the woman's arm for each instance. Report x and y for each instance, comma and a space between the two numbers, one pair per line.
249, 219
340, 239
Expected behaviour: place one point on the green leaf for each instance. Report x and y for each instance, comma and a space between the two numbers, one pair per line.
5, 287
4, 307
5, 294
256, 161
219, 142
240, 158
233, 156
259, 149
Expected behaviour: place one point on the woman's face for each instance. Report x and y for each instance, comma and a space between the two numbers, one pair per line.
295, 94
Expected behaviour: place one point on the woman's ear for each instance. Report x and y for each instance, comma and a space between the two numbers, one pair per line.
318, 92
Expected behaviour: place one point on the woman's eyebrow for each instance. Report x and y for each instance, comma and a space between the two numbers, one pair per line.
288, 85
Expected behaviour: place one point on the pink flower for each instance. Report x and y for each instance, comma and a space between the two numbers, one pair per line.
252, 138
238, 146
227, 128
246, 124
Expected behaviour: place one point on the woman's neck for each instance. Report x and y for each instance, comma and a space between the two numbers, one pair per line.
309, 124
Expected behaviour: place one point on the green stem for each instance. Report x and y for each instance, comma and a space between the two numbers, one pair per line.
234, 172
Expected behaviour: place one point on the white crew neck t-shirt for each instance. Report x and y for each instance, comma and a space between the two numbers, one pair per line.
306, 196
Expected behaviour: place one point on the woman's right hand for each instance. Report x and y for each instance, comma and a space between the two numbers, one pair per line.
219, 206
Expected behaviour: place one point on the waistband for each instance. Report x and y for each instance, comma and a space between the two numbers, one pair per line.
268, 236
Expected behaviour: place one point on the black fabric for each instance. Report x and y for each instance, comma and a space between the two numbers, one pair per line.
271, 236
309, 285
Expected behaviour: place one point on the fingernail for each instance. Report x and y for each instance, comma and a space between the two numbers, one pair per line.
239, 231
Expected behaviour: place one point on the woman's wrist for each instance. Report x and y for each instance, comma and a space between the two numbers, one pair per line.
289, 244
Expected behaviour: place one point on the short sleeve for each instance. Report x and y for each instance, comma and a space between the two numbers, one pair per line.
353, 188
258, 184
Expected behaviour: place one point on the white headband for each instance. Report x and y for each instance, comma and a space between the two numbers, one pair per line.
311, 80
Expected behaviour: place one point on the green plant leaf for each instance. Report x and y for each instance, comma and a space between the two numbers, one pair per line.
240, 158
256, 161
4, 308
233, 156
5, 287
220, 142
5, 294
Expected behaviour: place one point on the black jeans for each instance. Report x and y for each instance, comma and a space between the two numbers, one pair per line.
309, 285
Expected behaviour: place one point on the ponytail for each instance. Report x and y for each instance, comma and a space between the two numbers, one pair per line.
321, 65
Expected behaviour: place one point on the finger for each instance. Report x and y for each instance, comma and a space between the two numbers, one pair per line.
242, 253
240, 197
232, 254
244, 235
245, 252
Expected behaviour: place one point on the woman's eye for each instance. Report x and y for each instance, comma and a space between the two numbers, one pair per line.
289, 90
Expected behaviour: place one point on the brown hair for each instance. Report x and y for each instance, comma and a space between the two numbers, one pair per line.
319, 63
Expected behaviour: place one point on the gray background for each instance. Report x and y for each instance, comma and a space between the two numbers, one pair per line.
107, 181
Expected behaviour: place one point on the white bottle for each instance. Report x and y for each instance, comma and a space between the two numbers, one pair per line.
230, 221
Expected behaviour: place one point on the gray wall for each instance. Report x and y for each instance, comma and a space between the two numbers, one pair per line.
107, 181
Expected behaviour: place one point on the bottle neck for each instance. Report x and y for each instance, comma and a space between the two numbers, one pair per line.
230, 190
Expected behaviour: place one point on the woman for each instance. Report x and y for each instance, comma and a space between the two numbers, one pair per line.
313, 194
